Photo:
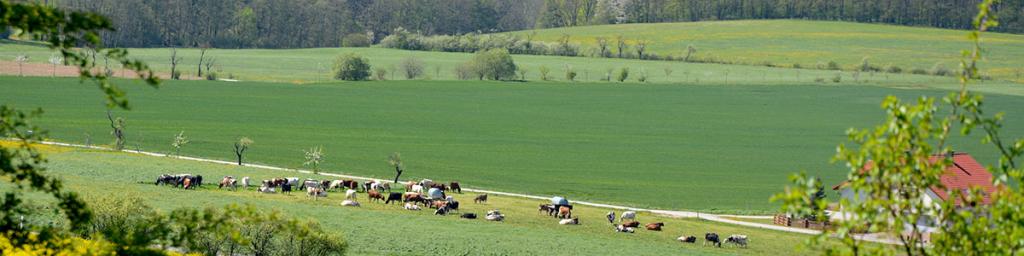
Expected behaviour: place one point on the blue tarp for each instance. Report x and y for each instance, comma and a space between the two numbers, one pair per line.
435, 194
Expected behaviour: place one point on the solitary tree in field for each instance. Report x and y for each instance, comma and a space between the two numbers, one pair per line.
241, 146
395, 160
351, 67
314, 156
21, 59
117, 126
210, 62
179, 141
690, 50
54, 60
175, 74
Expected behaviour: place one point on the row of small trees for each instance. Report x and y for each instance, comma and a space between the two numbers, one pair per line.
493, 64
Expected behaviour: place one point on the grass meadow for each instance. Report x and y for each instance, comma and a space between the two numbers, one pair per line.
377, 229
314, 65
808, 43
708, 147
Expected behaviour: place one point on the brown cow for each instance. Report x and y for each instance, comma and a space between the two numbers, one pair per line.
482, 198
655, 226
631, 224
187, 183
455, 187
438, 204
414, 198
374, 195
564, 212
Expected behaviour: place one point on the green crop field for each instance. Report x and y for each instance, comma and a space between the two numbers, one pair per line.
314, 65
720, 148
785, 42
377, 229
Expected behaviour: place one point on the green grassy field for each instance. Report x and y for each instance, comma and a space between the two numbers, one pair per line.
785, 42
313, 65
377, 229
719, 148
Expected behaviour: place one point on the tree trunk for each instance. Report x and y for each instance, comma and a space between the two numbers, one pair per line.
398, 173
239, 158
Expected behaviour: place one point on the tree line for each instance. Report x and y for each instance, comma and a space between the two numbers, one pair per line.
324, 23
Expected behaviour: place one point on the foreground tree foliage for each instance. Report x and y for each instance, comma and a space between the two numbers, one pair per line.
900, 168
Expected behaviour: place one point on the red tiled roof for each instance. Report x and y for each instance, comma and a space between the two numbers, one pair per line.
963, 174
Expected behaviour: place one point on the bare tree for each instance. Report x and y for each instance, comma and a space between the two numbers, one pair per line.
621, 44
395, 160
174, 64
54, 60
202, 56
117, 126
314, 156
690, 50
209, 66
602, 46
641, 46
241, 146
21, 59
412, 67
179, 141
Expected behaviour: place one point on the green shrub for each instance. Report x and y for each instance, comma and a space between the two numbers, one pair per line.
819, 79
918, 71
465, 71
351, 67
355, 40
623, 74
894, 69
380, 74
832, 65
494, 64
570, 74
642, 76
837, 78
940, 70
797, 65
544, 73
212, 76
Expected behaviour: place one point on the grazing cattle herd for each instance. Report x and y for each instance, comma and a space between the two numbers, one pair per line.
429, 194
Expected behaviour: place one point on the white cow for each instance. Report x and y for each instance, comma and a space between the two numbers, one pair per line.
740, 240
315, 192
624, 229
628, 215
350, 194
349, 203
293, 181
494, 216
418, 189
411, 207
573, 221
245, 182
335, 184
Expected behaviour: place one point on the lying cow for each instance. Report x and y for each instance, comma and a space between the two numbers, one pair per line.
623, 229
349, 203
687, 239
631, 224
573, 221
654, 226
494, 215
738, 240
411, 207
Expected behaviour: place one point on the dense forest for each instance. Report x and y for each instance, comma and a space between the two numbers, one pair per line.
322, 23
